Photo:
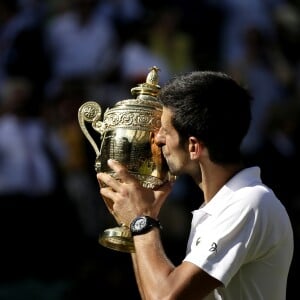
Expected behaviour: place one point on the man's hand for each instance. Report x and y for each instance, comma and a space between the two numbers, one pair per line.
125, 196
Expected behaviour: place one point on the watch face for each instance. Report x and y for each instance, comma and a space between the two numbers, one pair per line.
140, 224
143, 224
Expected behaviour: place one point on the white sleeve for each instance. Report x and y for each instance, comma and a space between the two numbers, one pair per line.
218, 245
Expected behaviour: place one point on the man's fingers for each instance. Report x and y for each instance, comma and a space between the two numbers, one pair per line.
108, 193
121, 171
107, 180
113, 183
115, 165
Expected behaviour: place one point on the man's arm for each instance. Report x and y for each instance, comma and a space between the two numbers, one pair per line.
137, 276
158, 278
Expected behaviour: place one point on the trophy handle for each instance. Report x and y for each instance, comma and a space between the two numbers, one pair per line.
90, 112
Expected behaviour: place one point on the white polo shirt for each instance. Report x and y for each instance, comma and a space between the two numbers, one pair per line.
243, 237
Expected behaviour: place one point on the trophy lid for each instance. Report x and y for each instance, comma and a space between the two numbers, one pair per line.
150, 87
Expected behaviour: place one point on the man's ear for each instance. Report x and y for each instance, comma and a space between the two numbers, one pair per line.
195, 148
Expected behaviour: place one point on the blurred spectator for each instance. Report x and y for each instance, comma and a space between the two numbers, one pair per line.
78, 165
23, 143
287, 21
168, 40
201, 22
122, 12
238, 18
268, 76
82, 44
137, 56
278, 155
22, 48
37, 219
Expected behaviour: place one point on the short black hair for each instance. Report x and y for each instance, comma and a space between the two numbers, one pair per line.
211, 106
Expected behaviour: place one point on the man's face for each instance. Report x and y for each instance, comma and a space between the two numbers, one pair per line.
175, 154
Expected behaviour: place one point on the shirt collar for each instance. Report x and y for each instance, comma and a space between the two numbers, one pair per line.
246, 177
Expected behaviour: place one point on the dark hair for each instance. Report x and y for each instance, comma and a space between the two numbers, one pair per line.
212, 107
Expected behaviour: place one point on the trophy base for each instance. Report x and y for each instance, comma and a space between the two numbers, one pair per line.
117, 238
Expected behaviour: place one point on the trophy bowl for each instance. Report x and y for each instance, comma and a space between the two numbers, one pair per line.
127, 134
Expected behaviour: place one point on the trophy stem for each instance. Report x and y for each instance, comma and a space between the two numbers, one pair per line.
117, 238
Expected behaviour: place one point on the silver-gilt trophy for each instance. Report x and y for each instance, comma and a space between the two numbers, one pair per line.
127, 134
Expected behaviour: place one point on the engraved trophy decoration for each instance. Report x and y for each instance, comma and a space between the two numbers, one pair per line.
127, 135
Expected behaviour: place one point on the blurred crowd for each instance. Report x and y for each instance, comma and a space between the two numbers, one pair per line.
57, 54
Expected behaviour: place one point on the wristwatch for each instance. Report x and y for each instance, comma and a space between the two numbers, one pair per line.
143, 224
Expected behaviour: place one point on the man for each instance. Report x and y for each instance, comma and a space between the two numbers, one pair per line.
241, 239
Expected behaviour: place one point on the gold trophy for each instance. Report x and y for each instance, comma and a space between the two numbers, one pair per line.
127, 135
